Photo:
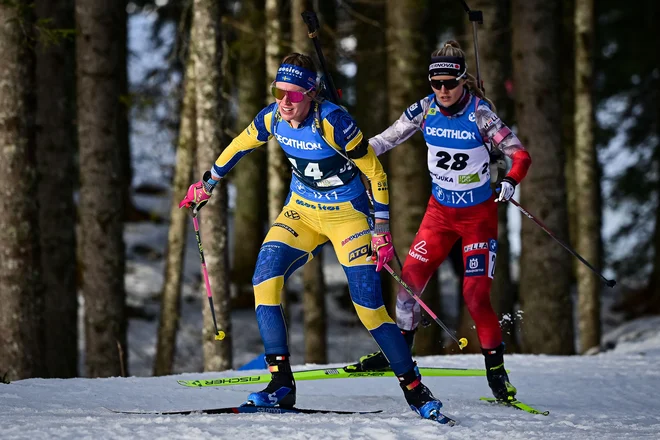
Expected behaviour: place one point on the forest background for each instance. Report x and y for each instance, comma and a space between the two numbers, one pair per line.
92, 126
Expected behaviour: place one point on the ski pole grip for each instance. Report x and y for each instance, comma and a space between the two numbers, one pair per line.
476, 16
312, 22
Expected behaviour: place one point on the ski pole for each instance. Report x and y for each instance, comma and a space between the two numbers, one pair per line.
218, 334
462, 343
609, 283
424, 321
475, 17
312, 22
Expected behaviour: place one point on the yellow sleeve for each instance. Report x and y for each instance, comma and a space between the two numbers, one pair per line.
255, 135
373, 169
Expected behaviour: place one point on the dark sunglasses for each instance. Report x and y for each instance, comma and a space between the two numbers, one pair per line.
450, 84
293, 96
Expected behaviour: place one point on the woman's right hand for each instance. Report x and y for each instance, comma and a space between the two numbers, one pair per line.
199, 193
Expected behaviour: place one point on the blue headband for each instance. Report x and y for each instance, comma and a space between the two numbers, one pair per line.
297, 75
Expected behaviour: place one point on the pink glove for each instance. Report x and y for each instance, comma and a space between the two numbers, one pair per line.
382, 249
198, 194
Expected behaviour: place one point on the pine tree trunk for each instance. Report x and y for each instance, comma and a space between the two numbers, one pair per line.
21, 295
278, 166
371, 60
300, 42
371, 111
494, 38
586, 179
176, 238
56, 150
279, 171
408, 176
654, 291
249, 176
495, 60
429, 340
315, 321
99, 66
131, 212
567, 78
547, 325
206, 47
313, 280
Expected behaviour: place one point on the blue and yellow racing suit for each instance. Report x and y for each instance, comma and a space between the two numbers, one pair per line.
327, 202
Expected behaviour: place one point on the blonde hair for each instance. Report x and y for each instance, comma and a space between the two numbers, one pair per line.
453, 49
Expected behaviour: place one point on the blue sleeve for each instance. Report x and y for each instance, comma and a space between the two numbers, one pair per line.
345, 128
263, 131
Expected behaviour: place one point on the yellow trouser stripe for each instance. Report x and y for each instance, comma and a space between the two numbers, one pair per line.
268, 293
373, 318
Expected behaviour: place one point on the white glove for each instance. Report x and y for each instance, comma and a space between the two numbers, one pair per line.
506, 190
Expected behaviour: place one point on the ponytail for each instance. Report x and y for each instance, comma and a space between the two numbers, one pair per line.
453, 49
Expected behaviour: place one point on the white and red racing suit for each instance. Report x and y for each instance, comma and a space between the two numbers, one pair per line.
462, 204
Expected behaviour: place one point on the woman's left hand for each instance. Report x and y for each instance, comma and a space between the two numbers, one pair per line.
382, 249
506, 189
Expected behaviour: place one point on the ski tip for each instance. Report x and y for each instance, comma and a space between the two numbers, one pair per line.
190, 383
516, 404
444, 419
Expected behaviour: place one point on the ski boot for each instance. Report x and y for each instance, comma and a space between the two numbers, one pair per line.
498, 379
419, 397
281, 391
377, 361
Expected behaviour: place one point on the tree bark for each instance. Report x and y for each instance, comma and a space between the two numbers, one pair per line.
313, 279
279, 172
547, 325
249, 176
587, 186
495, 48
315, 321
300, 42
653, 305
21, 295
407, 55
567, 78
176, 238
494, 38
99, 71
371, 111
56, 150
279, 175
206, 46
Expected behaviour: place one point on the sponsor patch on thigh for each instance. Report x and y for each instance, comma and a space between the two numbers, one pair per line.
287, 227
357, 253
475, 265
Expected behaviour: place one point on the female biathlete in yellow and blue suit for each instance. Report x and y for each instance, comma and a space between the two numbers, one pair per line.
327, 202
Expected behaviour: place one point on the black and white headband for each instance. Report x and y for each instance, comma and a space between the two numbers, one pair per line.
454, 66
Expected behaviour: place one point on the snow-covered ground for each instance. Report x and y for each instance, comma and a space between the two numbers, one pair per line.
612, 395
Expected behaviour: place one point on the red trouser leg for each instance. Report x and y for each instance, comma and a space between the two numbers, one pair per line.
430, 247
478, 229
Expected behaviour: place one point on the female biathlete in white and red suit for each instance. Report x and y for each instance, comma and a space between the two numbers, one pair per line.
460, 129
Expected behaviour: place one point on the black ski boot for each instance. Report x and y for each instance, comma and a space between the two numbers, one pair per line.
498, 379
419, 398
281, 391
377, 361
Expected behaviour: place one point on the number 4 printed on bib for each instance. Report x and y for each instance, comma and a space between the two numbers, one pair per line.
311, 170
